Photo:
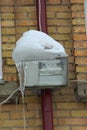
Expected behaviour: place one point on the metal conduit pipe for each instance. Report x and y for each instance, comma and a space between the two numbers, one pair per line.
47, 111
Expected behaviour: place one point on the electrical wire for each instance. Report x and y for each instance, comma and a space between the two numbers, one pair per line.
5, 101
77, 80
18, 89
40, 27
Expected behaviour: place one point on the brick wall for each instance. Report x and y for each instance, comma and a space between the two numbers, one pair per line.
65, 20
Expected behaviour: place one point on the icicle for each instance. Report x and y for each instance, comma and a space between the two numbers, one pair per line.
21, 76
24, 118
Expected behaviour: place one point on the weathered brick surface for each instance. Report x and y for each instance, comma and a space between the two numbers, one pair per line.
77, 2
79, 37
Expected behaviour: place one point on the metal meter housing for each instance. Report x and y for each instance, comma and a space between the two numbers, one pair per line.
46, 73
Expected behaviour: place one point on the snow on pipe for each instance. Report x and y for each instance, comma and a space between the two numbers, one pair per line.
85, 12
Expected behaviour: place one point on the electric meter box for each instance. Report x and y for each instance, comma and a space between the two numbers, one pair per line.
46, 72
81, 92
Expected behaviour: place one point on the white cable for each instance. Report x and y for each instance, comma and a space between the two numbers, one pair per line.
5, 101
19, 89
40, 15
77, 80
24, 118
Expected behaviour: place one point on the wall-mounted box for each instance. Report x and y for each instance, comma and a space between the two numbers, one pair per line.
81, 91
46, 73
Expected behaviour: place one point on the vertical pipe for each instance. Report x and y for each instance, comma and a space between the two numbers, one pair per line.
41, 15
85, 13
47, 111
0, 52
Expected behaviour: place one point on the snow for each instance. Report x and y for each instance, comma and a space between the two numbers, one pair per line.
33, 46
36, 45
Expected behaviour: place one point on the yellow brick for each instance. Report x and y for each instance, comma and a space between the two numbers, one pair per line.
54, 1
60, 22
81, 52
79, 45
79, 113
9, 61
18, 36
68, 44
77, 7
79, 1
21, 29
7, 9
34, 122
6, 2
70, 106
79, 29
79, 21
28, 115
81, 69
50, 15
11, 123
72, 121
31, 99
24, 2
65, 2
8, 38
64, 98
79, 127
25, 22
60, 8
8, 47
29, 128
8, 31
69, 52
25, 9
64, 29
81, 76
51, 29
64, 15
67, 90
10, 77
79, 14
6, 54
81, 60
71, 75
9, 69
62, 128
8, 23
4, 116
61, 113
21, 15
33, 106
32, 15
5, 129
55, 121
8, 16
12, 108
79, 37
32, 28
61, 36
